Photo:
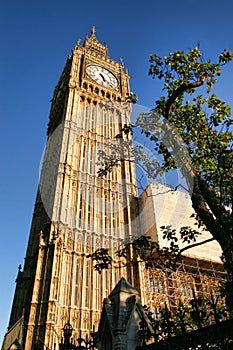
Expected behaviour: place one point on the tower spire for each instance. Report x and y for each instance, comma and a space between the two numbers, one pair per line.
92, 43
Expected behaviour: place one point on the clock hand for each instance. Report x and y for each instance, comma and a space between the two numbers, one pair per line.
102, 77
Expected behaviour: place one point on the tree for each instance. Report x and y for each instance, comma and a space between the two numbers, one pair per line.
204, 125
192, 132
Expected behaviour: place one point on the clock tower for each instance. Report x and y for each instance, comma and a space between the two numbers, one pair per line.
77, 212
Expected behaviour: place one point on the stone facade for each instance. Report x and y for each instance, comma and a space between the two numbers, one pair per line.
163, 206
200, 271
77, 212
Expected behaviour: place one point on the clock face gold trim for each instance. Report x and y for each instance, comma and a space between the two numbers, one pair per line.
102, 76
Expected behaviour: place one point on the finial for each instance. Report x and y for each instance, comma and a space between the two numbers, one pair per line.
121, 61
78, 41
93, 31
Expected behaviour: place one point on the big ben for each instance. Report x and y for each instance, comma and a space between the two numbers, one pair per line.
76, 212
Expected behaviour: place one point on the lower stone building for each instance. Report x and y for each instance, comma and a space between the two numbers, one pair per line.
200, 271
192, 277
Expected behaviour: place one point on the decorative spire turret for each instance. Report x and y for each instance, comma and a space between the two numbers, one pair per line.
93, 31
93, 44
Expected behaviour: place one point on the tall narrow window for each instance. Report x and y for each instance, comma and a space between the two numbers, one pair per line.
157, 284
80, 206
57, 271
76, 284
186, 289
83, 158
106, 211
88, 210
86, 118
105, 123
113, 211
106, 284
66, 281
101, 208
90, 161
114, 174
96, 290
92, 119
87, 286
110, 131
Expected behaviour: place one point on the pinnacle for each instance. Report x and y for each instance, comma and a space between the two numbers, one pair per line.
93, 31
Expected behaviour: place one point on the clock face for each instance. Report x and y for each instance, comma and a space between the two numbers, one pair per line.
102, 76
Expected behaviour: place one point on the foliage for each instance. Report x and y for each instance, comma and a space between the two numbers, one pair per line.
204, 125
102, 259
143, 248
186, 317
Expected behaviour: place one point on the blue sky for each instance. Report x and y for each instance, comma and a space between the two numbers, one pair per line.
36, 37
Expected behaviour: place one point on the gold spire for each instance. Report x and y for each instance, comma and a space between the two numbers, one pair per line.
93, 31
93, 44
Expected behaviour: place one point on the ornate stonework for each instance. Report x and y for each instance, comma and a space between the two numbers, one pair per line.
120, 319
76, 212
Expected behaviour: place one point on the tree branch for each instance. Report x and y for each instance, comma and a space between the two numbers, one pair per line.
177, 92
196, 244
